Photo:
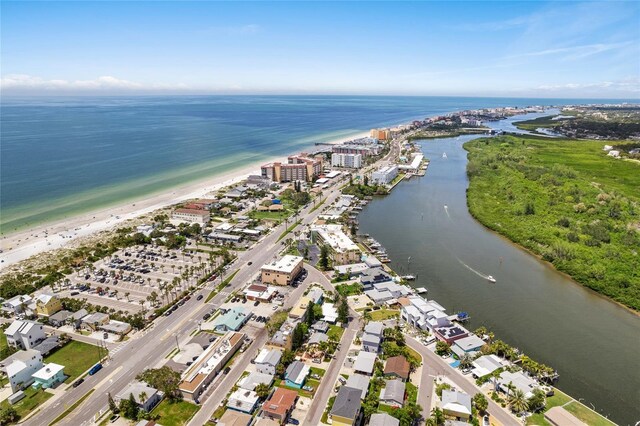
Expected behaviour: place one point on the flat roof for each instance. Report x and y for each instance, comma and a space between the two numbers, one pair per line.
286, 264
192, 212
335, 237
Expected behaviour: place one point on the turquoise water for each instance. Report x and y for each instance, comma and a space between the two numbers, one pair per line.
61, 156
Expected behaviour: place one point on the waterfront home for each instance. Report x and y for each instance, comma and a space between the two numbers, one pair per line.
17, 304
365, 362
383, 419
296, 374
395, 289
282, 271
267, 360
373, 276
232, 320
469, 345
234, 418
393, 393
279, 405
24, 334
346, 407
456, 404
59, 318
50, 375
47, 305
384, 175
243, 400
354, 269
20, 368
379, 297
398, 367
486, 365
92, 321
359, 381
450, 333
518, 380
145, 396
254, 379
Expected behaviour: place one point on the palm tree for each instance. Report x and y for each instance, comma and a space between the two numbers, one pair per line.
518, 402
262, 390
466, 361
126, 295
438, 416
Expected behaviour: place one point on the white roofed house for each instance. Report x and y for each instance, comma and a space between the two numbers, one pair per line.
20, 368
146, 397
267, 360
329, 313
254, 379
393, 393
365, 363
456, 404
469, 345
17, 304
243, 400
24, 334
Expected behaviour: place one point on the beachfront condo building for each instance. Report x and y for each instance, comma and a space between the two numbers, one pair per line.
363, 150
298, 167
282, 271
384, 175
350, 161
381, 134
192, 216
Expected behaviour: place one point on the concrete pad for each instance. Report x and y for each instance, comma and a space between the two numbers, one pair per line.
187, 353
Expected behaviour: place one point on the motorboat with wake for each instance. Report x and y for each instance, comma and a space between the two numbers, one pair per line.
491, 279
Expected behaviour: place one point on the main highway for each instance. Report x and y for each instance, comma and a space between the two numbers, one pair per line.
149, 349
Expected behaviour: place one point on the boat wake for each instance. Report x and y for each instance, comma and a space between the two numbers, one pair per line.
480, 274
446, 210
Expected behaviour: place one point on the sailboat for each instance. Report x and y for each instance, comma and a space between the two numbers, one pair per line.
444, 155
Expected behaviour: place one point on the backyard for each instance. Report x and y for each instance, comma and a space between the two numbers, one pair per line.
32, 400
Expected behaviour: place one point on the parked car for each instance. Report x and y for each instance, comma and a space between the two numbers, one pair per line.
95, 369
249, 263
485, 421
78, 383
256, 303
206, 316
226, 370
114, 418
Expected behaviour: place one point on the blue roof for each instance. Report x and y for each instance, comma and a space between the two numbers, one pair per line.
233, 319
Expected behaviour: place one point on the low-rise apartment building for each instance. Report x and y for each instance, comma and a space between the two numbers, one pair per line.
298, 167
384, 175
191, 216
282, 271
342, 249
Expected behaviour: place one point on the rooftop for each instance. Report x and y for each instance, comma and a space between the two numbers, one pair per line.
365, 362
335, 237
269, 356
254, 379
285, 264
397, 365
136, 389
393, 391
359, 381
383, 419
48, 371
280, 402
192, 212
347, 403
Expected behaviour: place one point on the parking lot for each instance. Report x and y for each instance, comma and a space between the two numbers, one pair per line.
137, 277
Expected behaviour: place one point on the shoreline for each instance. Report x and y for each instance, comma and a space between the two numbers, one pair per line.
25, 243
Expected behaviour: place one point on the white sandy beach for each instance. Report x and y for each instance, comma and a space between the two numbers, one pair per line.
29, 242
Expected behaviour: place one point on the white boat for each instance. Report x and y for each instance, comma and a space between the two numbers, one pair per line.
491, 279
444, 155
408, 277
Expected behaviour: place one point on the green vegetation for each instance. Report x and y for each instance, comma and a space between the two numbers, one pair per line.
325, 415
412, 392
536, 123
349, 289
335, 332
165, 380
32, 400
275, 321
587, 415
566, 201
73, 406
277, 216
576, 408
363, 190
384, 314
174, 413
289, 229
5, 349
222, 285
77, 357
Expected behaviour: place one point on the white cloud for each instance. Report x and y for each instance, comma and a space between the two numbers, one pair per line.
630, 85
576, 52
28, 83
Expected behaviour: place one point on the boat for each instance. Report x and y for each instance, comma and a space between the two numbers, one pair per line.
491, 279
444, 155
408, 277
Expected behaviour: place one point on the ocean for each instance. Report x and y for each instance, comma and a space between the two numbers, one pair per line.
62, 156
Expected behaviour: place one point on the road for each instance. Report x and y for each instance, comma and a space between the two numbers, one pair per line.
150, 348
437, 365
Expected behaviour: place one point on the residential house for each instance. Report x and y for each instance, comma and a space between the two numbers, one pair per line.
316, 338
320, 326
346, 407
116, 327
296, 374
379, 297
398, 367
373, 276
280, 405
518, 380
254, 379
17, 304
20, 366
24, 334
232, 320
243, 400
299, 310
329, 313
146, 397
451, 333
359, 381
47, 345
283, 337
316, 296
365, 363
49, 376
234, 418
372, 336
93, 321
469, 345
267, 360
59, 318
47, 305
393, 393
383, 419
486, 365
76, 318
456, 404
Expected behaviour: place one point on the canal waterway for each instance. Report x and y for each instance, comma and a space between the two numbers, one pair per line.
593, 343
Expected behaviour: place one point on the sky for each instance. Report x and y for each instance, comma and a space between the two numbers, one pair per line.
526, 49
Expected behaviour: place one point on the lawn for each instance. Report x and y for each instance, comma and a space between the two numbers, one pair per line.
175, 413
349, 289
384, 314
274, 216
77, 357
319, 371
336, 331
558, 399
412, 392
325, 415
32, 400
586, 415
565, 201
289, 229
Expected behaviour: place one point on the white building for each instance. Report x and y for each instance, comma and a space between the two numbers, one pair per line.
243, 400
191, 216
343, 249
24, 334
267, 360
20, 366
17, 304
329, 312
351, 161
282, 271
384, 175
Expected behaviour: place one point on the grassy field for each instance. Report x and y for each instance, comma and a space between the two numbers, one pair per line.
77, 357
274, 216
566, 201
349, 289
576, 408
32, 400
384, 314
334, 330
532, 125
175, 413
557, 399
586, 415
